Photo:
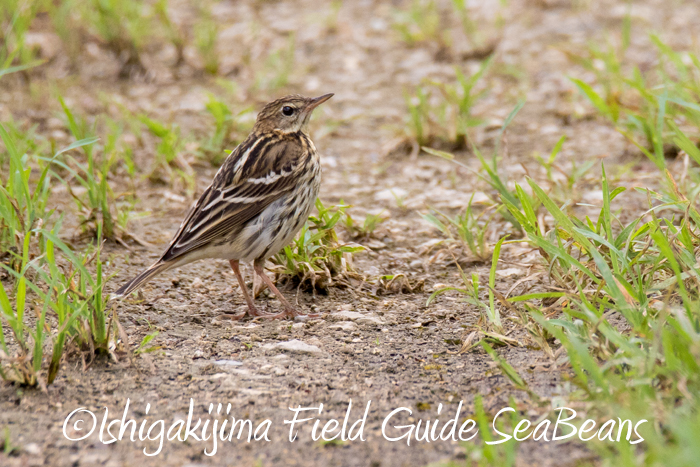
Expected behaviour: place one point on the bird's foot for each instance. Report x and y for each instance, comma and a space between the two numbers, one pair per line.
232, 316
255, 313
289, 310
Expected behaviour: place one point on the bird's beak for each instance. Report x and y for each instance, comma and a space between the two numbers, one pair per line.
316, 101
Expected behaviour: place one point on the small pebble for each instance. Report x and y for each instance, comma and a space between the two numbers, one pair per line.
32, 449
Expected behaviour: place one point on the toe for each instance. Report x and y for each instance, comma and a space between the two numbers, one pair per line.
292, 313
231, 316
274, 315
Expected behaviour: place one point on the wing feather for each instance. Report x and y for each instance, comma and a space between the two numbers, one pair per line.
257, 173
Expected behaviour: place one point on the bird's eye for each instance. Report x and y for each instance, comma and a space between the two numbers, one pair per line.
288, 111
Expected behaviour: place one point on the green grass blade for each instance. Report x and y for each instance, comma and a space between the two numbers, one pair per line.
494, 315
595, 99
26, 66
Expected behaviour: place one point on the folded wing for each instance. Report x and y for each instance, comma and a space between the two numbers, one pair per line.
256, 174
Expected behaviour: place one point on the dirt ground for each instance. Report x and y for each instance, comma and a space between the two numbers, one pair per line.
391, 349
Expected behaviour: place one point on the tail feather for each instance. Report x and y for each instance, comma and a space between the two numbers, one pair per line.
141, 279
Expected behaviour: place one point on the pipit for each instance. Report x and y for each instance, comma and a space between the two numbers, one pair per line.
259, 199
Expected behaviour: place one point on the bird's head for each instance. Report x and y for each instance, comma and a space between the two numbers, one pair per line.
289, 114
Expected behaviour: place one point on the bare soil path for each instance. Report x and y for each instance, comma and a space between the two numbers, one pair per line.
391, 349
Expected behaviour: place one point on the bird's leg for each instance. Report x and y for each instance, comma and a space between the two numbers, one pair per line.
289, 310
252, 310
241, 283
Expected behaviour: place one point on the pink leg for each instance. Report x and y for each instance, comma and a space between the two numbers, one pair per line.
241, 283
252, 310
288, 308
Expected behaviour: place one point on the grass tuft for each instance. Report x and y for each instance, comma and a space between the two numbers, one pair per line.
65, 299
442, 112
317, 259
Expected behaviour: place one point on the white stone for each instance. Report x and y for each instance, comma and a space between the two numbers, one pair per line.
226, 363
355, 316
294, 345
510, 272
343, 326
390, 194
32, 449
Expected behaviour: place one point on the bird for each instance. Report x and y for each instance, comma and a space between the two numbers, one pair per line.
259, 199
